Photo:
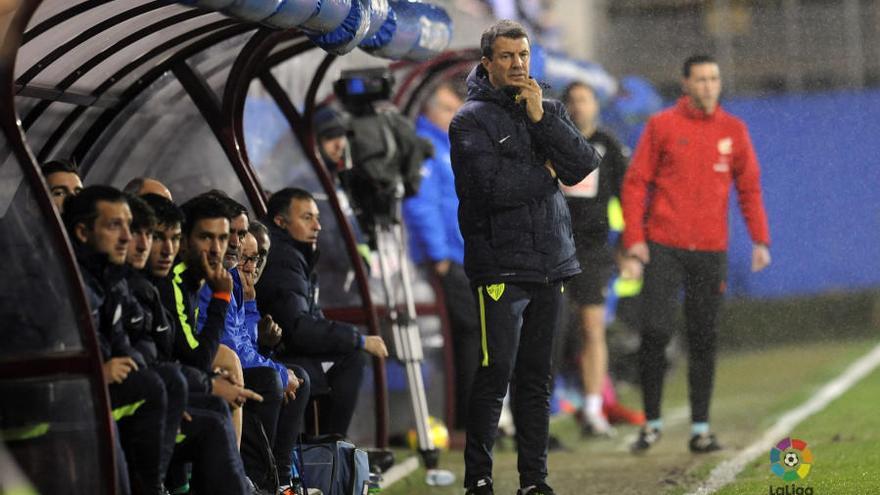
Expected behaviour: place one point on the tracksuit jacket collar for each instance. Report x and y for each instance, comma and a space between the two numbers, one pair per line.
686, 108
98, 264
479, 88
425, 126
310, 253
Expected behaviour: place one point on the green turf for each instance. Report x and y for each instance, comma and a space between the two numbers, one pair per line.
845, 442
752, 389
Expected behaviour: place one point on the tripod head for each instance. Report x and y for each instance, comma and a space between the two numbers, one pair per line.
386, 153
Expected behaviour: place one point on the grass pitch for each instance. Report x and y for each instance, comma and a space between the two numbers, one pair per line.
752, 389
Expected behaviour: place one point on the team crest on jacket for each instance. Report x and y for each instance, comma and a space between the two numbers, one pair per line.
495, 291
725, 146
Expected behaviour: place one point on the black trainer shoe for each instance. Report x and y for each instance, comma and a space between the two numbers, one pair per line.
541, 489
703, 444
647, 438
481, 487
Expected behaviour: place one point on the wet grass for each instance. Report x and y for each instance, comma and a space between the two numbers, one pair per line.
843, 439
752, 389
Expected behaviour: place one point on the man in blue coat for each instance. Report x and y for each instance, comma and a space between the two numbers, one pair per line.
510, 150
435, 241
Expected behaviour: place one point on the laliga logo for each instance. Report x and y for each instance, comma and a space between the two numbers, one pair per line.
791, 460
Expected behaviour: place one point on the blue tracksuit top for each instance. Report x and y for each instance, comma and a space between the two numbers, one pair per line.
431, 216
240, 333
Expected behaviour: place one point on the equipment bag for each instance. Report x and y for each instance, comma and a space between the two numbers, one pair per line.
336, 468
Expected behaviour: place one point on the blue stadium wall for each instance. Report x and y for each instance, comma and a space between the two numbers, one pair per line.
820, 157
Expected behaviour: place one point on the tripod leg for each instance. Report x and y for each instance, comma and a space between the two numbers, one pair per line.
408, 344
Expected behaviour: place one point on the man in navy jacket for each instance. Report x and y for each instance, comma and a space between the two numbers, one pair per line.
510, 149
288, 290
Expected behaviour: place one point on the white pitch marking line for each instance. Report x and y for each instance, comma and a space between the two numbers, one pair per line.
399, 471
727, 471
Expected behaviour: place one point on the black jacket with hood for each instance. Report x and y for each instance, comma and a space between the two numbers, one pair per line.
513, 217
288, 290
107, 292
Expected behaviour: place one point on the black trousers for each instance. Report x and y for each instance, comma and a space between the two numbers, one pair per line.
703, 275
518, 325
139, 405
209, 444
465, 323
337, 390
176, 394
282, 422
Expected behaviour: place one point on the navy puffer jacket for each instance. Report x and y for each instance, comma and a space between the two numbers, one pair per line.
513, 217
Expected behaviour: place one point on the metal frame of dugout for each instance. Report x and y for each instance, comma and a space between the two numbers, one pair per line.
71, 75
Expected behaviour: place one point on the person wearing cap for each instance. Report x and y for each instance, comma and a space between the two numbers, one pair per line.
330, 131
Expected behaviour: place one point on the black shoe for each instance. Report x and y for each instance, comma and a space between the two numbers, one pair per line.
556, 445
647, 438
481, 487
703, 444
541, 489
380, 460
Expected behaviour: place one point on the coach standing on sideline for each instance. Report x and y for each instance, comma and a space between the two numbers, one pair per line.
675, 204
510, 149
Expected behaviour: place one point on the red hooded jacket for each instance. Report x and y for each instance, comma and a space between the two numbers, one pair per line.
676, 190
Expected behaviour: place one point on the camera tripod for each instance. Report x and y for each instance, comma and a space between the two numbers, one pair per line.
401, 315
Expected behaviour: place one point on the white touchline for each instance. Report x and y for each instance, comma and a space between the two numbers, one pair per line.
727, 471
399, 471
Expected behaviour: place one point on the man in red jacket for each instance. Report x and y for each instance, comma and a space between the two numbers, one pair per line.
675, 203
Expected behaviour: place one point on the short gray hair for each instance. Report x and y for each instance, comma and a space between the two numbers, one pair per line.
505, 28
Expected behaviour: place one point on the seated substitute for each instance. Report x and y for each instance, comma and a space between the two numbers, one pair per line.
97, 221
288, 290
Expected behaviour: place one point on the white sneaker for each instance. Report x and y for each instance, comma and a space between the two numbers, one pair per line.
439, 477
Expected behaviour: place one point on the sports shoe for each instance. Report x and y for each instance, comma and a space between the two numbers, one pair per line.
703, 444
481, 487
647, 438
295, 488
597, 426
540, 489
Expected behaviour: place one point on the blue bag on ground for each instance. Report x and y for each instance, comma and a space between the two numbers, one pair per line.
336, 468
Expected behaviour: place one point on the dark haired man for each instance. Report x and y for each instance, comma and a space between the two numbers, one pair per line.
204, 235
62, 177
208, 436
97, 221
675, 205
144, 319
288, 290
283, 405
510, 150
238, 226
166, 236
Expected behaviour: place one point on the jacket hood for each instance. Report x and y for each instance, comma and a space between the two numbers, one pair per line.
480, 89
